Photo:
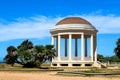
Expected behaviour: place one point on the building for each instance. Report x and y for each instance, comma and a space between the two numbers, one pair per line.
78, 34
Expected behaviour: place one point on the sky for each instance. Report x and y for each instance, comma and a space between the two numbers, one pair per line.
33, 19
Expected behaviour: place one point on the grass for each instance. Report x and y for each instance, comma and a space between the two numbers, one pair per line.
19, 68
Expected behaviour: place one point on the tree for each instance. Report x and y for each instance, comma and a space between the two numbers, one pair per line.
25, 53
50, 52
11, 57
100, 57
11, 50
115, 58
44, 53
117, 49
29, 55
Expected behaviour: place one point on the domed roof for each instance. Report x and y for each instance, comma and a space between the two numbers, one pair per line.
74, 23
73, 20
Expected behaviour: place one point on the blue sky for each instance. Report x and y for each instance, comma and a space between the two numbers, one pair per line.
33, 19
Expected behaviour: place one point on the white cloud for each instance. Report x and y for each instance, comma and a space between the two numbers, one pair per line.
39, 26
33, 27
105, 24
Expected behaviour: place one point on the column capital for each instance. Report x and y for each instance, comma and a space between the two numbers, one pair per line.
59, 34
83, 33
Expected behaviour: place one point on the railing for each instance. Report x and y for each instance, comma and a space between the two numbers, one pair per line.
87, 58
64, 58
76, 58
73, 58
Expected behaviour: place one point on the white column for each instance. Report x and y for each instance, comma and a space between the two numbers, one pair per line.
96, 55
92, 45
52, 42
82, 47
95, 46
57, 46
70, 46
59, 39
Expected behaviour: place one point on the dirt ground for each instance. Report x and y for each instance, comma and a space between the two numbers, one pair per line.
46, 76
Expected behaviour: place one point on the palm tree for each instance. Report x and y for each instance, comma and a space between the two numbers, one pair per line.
11, 57
25, 50
26, 45
39, 53
29, 55
11, 50
50, 52
117, 49
44, 53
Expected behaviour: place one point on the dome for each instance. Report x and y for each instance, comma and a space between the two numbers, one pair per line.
73, 20
74, 23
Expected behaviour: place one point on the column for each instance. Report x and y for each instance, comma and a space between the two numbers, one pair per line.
70, 46
82, 47
65, 47
85, 47
91, 44
76, 47
95, 48
57, 46
52, 42
96, 55
59, 39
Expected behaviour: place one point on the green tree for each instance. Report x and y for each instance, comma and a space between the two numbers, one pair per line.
11, 50
100, 57
12, 56
114, 58
50, 52
44, 53
29, 55
25, 53
39, 53
107, 59
117, 49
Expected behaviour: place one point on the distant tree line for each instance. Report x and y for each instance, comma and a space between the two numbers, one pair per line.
107, 59
114, 58
29, 55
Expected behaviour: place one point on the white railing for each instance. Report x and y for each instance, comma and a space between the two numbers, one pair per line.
64, 58
87, 58
76, 58
73, 58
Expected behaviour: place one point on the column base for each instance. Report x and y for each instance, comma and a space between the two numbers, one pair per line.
82, 65
69, 65
58, 65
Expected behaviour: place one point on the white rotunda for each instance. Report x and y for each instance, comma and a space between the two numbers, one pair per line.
74, 39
